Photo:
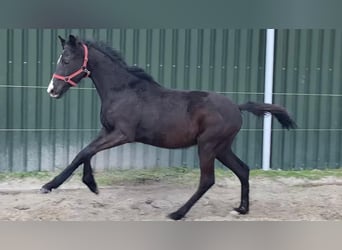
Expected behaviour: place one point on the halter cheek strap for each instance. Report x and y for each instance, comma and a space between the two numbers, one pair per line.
83, 69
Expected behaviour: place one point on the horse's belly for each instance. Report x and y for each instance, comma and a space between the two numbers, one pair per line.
178, 143
174, 144
176, 138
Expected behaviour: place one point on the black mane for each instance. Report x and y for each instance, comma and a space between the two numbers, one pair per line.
116, 57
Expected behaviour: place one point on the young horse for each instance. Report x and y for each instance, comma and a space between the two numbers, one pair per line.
135, 108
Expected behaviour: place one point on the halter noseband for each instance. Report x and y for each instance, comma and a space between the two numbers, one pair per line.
83, 69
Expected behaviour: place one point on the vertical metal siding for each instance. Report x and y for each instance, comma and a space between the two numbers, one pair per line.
308, 83
38, 133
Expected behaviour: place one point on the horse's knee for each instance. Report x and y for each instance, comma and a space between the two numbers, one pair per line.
206, 183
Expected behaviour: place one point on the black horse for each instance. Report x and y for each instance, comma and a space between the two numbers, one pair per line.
135, 108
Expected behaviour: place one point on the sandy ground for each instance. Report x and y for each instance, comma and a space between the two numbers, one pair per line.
271, 199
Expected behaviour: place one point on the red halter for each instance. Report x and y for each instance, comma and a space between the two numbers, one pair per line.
83, 69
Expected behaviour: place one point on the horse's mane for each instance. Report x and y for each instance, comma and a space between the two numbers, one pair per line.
116, 57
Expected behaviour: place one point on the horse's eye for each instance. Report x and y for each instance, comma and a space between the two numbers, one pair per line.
65, 61
65, 58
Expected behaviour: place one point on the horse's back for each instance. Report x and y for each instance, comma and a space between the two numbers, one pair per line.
226, 107
214, 104
176, 118
226, 111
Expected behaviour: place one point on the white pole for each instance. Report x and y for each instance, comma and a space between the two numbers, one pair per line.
266, 152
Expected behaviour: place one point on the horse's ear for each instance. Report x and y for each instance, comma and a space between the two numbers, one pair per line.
72, 40
62, 40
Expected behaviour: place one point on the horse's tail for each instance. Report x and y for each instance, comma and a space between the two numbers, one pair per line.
260, 109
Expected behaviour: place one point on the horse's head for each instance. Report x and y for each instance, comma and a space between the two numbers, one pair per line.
71, 67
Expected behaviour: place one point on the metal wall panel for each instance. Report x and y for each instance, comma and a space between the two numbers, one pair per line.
308, 82
39, 133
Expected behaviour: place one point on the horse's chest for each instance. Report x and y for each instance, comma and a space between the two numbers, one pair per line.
120, 116
108, 118
106, 123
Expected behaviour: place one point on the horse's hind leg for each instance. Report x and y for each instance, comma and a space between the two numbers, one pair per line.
207, 179
230, 160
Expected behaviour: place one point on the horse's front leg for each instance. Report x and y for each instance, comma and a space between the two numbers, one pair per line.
104, 141
88, 177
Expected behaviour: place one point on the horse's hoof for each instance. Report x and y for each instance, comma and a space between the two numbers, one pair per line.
91, 184
241, 210
94, 190
234, 213
175, 216
44, 190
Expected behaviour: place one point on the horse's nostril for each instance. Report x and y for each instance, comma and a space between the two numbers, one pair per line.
52, 92
49, 90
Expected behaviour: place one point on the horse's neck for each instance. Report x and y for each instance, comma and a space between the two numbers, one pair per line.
110, 79
104, 84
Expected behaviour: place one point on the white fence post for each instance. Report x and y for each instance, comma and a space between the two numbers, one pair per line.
267, 132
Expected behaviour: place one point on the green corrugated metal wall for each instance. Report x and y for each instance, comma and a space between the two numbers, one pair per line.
39, 133
308, 82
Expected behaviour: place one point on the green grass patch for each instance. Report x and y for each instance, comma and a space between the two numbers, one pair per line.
174, 175
191, 176
132, 176
23, 175
313, 174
